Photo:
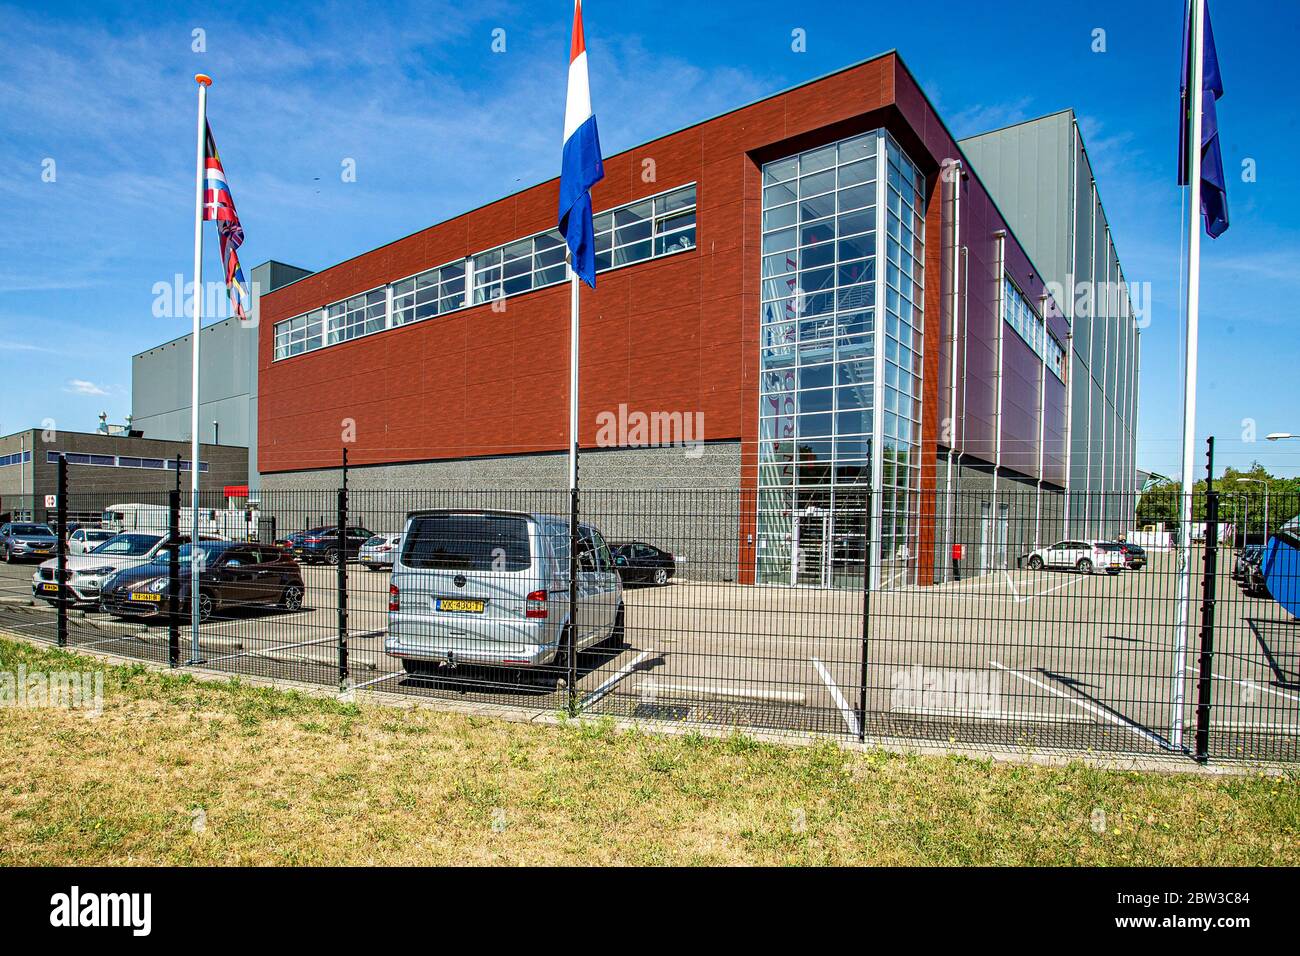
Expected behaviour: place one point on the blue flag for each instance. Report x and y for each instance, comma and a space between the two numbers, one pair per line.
1214, 187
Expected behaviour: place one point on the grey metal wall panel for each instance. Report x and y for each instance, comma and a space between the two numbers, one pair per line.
1026, 168
160, 377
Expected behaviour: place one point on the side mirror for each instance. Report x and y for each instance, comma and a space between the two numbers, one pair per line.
620, 561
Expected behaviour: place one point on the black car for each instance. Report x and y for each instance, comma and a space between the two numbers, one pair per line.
637, 561
233, 574
321, 545
1135, 556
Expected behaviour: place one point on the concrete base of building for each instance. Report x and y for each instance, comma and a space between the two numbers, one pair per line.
684, 500
996, 519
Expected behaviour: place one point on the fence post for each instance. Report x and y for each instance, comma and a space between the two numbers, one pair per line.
173, 577
61, 550
1205, 681
866, 619
342, 587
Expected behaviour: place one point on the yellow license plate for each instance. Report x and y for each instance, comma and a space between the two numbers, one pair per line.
49, 587
145, 596
458, 604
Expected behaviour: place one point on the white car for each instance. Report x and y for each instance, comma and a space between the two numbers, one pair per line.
86, 573
85, 540
1082, 555
379, 550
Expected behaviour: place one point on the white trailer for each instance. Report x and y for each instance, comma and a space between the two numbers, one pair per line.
237, 524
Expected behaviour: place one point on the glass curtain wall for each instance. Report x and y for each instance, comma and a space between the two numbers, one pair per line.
828, 362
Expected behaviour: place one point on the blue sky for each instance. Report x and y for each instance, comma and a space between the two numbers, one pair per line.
437, 123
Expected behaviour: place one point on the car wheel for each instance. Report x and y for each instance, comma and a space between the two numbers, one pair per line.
1084, 566
661, 575
1035, 563
331, 556
206, 607
291, 600
618, 633
556, 673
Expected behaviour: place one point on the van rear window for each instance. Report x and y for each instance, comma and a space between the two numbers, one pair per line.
467, 543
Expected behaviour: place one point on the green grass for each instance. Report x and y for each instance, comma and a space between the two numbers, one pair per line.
288, 778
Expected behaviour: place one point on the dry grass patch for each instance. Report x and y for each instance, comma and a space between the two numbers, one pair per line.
178, 771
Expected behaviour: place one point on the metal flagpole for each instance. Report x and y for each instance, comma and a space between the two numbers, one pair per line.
204, 82
572, 655
1189, 377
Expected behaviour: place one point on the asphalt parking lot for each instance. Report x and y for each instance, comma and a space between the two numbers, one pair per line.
1018, 658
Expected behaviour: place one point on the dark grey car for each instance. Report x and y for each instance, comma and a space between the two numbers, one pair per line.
26, 541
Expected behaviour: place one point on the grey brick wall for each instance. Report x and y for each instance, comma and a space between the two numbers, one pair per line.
687, 505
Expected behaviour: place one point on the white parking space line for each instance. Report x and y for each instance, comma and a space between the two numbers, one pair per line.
378, 680
983, 589
609, 684
726, 691
1253, 686
1037, 594
49, 623
850, 718
1088, 706
110, 640
268, 650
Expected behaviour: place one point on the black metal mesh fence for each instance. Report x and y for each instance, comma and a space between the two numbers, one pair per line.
998, 620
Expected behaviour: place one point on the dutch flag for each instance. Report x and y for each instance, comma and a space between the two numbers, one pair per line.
581, 168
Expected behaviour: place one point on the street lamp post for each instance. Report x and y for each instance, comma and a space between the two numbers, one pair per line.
1279, 436
1259, 481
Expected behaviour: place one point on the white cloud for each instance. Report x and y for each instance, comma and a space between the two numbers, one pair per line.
79, 386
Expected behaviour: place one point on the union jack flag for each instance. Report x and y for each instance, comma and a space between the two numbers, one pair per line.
219, 205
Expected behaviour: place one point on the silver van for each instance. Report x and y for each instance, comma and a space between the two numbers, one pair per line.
491, 588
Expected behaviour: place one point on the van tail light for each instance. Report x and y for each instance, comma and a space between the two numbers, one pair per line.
393, 594
535, 604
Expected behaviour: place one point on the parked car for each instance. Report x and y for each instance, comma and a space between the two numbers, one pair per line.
1135, 556
86, 573
85, 540
490, 587
321, 545
637, 561
1248, 557
1084, 556
233, 574
378, 553
26, 540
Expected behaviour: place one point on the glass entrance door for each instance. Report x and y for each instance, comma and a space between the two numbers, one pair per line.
810, 560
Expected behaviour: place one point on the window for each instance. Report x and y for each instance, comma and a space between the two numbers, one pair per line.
840, 349
430, 293
449, 542
1020, 315
354, 317
519, 267
648, 228
17, 458
659, 226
